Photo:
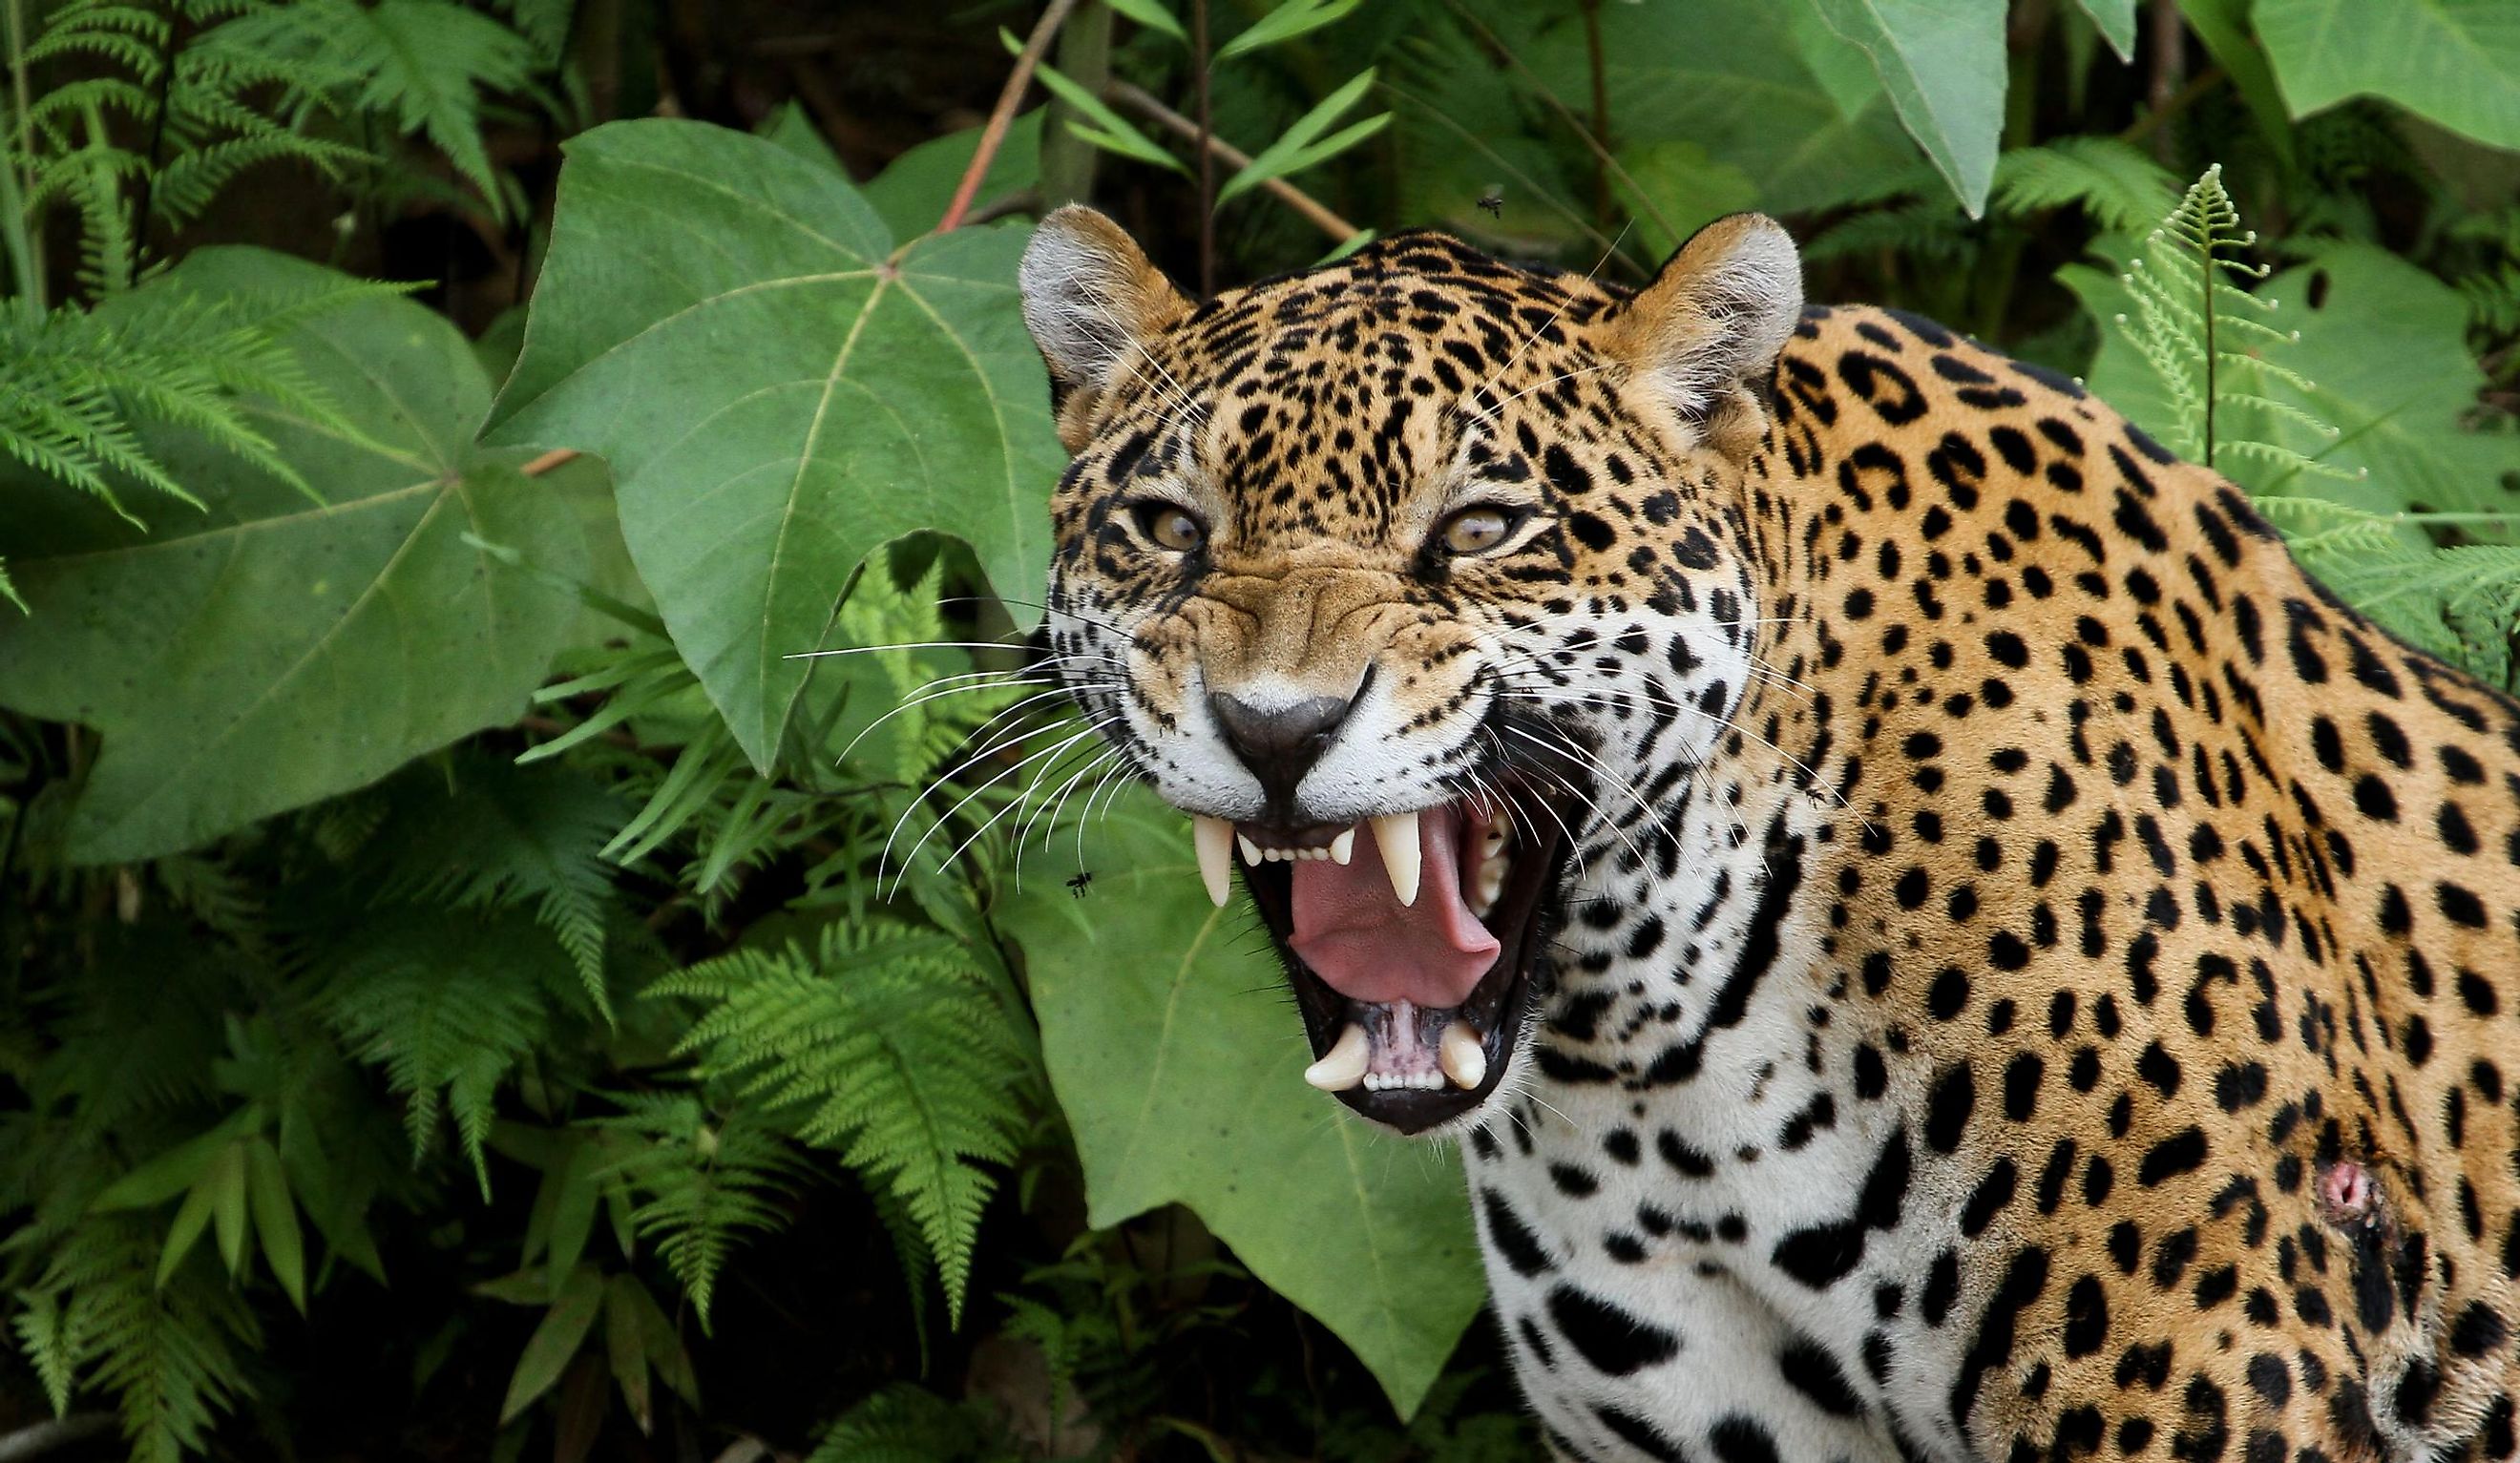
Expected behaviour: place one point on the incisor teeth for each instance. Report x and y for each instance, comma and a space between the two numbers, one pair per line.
1343, 846
1214, 839
1465, 1060
1395, 834
1251, 850
1343, 1065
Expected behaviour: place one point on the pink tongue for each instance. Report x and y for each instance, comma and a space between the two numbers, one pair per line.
1354, 933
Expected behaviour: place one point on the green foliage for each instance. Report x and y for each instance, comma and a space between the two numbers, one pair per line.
83, 387
702, 1181
276, 650
2202, 334
883, 1044
779, 390
353, 766
1158, 1020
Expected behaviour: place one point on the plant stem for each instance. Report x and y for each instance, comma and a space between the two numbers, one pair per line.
1137, 99
1198, 60
1067, 160
25, 261
2169, 61
1601, 110
2205, 268
145, 203
994, 135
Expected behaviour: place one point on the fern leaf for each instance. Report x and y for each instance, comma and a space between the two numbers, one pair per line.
883, 1046
425, 64
703, 1184
2189, 310
447, 1004
904, 1424
2113, 182
170, 1355
514, 837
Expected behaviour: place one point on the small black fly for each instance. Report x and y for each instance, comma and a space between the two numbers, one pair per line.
1492, 202
1083, 881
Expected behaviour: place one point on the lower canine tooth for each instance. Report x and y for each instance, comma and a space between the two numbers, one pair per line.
1343, 1065
1214, 839
1465, 1060
1396, 835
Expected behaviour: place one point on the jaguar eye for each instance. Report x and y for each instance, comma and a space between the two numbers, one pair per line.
1480, 528
1171, 526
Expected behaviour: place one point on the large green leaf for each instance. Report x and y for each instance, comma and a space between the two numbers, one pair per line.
2384, 347
276, 649
1179, 1064
2456, 62
1941, 63
778, 389
1731, 76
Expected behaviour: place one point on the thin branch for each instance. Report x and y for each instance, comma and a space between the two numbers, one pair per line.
1003, 115
54, 1432
1136, 100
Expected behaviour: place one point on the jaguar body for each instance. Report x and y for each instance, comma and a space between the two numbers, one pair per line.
1934, 938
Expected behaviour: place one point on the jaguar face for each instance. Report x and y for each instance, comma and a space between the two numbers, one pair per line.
1413, 580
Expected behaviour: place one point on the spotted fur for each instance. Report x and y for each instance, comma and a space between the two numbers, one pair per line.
2037, 977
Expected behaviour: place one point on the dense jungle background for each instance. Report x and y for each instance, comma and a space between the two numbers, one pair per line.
473, 987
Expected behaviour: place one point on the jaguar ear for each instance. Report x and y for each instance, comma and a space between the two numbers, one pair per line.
1092, 299
1705, 335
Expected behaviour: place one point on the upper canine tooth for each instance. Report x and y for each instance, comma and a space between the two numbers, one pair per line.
1343, 1065
1343, 846
1214, 838
1465, 1060
1251, 850
1395, 834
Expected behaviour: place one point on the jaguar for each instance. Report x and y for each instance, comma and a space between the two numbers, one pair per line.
1933, 937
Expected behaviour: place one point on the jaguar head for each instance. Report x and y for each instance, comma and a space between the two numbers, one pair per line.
1416, 580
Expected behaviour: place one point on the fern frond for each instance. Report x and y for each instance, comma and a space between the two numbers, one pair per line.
80, 383
515, 838
703, 1183
906, 1424
2191, 310
1921, 230
447, 1003
170, 1355
2115, 183
884, 1046
425, 64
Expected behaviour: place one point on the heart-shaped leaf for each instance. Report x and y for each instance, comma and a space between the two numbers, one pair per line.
779, 390
1179, 1065
272, 650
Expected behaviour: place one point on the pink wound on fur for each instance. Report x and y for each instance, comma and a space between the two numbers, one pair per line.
2347, 1192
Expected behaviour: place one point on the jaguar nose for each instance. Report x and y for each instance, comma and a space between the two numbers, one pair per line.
1282, 743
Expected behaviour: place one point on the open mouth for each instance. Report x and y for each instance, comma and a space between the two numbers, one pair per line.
1410, 941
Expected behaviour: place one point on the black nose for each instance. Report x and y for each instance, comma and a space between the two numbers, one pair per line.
1279, 746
